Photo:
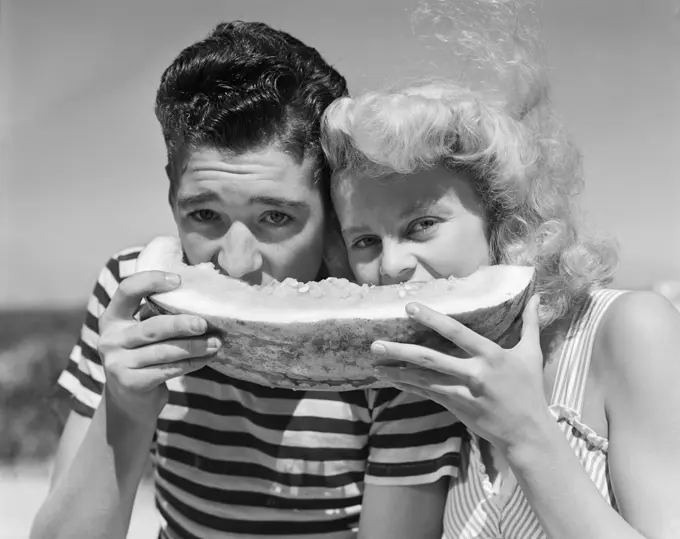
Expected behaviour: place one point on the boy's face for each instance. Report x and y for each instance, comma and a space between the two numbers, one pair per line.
258, 216
418, 227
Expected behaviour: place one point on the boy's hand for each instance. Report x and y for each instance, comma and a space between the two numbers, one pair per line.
139, 357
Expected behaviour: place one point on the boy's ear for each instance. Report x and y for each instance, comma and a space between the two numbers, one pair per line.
171, 190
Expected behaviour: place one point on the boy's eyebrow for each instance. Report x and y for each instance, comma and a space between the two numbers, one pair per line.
281, 202
185, 201
203, 197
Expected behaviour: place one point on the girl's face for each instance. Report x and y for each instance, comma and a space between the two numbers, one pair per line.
415, 227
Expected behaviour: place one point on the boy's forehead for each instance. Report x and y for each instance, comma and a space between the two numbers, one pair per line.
260, 169
261, 160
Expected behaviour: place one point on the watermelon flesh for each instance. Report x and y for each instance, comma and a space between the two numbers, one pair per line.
317, 335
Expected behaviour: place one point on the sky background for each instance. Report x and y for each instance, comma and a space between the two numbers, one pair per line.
81, 156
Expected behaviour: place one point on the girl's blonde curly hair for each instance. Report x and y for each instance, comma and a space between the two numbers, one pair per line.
524, 168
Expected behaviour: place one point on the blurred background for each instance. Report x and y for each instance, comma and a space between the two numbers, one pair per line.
81, 159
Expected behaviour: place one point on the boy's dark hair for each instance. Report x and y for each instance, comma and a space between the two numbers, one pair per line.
246, 85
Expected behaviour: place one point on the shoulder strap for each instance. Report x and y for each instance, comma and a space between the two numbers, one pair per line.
574, 362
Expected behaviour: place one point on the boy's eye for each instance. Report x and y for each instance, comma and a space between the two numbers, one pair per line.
203, 215
366, 242
276, 218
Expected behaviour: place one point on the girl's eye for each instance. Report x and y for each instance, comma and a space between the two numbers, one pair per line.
366, 242
276, 218
204, 215
422, 225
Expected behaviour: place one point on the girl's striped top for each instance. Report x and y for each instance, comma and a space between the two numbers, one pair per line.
476, 509
234, 459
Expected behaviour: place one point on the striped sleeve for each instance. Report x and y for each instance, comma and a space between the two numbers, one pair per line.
412, 440
83, 377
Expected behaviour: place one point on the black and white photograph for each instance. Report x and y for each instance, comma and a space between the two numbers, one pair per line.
302, 269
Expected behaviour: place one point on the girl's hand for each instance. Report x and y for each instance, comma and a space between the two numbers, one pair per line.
498, 393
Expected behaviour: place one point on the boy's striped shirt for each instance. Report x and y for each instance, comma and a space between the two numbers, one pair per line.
237, 459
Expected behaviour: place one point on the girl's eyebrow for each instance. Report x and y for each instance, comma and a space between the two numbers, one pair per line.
353, 230
419, 206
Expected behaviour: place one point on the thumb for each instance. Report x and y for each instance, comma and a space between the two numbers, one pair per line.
128, 298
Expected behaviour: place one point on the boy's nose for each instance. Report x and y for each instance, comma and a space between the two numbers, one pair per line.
239, 255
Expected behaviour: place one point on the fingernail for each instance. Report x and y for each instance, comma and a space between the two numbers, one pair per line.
199, 325
412, 309
378, 349
173, 278
214, 344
